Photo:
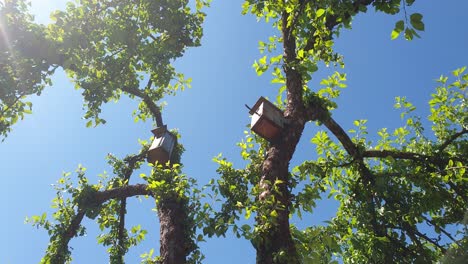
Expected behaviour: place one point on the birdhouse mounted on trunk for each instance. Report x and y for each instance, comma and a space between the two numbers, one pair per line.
267, 119
162, 146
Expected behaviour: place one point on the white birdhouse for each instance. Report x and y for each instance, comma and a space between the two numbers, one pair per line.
267, 119
162, 147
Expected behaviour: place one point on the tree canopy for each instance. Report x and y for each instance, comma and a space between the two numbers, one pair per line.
377, 184
382, 185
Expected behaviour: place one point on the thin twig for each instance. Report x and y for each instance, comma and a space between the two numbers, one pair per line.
131, 163
442, 230
428, 239
451, 139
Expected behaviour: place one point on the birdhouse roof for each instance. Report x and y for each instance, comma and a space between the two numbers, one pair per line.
159, 131
263, 100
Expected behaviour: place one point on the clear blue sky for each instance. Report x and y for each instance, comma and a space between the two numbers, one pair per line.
211, 118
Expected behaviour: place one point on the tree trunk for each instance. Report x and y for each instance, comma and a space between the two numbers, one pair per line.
174, 230
276, 244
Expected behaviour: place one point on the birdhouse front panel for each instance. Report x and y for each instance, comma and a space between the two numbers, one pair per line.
273, 113
267, 120
161, 148
264, 127
168, 142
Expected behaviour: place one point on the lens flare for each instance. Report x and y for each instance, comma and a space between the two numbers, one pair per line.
5, 44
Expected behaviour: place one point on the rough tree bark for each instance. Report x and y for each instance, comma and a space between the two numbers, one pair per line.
277, 245
276, 165
175, 223
175, 239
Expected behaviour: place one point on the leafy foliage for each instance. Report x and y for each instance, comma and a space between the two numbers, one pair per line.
388, 218
106, 47
21, 74
381, 187
109, 48
103, 202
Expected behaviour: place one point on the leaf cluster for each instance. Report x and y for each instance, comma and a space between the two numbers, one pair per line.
106, 47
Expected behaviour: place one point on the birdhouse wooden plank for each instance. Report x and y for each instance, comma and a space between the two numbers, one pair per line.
162, 146
267, 119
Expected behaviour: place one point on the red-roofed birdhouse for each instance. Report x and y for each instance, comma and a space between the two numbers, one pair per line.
267, 119
162, 147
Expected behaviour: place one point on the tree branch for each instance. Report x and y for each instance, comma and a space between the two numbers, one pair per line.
154, 109
61, 253
332, 20
428, 239
131, 163
302, 4
99, 198
396, 155
434, 159
121, 234
414, 234
74, 226
316, 112
9, 106
451, 139
342, 136
122, 192
294, 79
442, 230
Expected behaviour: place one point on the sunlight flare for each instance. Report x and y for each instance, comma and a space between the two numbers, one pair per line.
5, 43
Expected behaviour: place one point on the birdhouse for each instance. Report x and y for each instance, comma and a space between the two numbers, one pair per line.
267, 119
162, 146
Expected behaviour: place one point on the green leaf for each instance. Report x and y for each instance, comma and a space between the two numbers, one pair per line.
418, 25
394, 34
276, 59
274, 213
320, 12
399, 27
459, 71
383, 239
14, 119
247, 213
409, 34
246, 228
416, 21
300, 53
416, 17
